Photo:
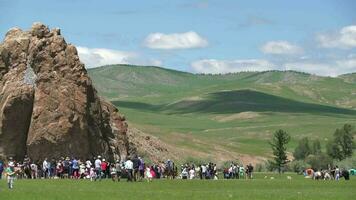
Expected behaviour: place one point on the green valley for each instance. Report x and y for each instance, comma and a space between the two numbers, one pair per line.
231, 116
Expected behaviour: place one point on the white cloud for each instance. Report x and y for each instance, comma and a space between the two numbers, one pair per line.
344, 39
281, 47
94, 57
226, 66
186, 40
331, 68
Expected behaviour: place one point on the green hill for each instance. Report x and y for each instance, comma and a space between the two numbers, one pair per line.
230, 115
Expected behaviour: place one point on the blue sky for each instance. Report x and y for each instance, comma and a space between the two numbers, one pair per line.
315, 36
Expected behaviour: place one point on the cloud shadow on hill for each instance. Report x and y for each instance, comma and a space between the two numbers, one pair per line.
228, 102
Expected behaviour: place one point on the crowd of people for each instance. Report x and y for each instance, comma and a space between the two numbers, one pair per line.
332, 173
97, 168
135, 169
210, 171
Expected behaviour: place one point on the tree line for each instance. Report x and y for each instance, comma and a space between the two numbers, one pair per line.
309, 151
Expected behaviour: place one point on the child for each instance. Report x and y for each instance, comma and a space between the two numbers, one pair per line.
10, 173
148, 174
92, 174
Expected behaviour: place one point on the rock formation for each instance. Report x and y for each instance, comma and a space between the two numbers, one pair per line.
48, 105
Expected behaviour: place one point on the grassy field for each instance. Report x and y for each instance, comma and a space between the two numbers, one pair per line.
259, 188
212, 116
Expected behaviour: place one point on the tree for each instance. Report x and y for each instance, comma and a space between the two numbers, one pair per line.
316, 147
319, 161
302, 150
279, 141
342, 145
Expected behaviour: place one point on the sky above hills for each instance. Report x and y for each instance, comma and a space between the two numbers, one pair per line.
314, 36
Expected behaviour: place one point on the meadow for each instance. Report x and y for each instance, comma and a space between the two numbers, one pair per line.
224, 117
258, 188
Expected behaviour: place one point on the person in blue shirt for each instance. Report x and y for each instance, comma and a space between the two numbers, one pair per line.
75, 168
1, 168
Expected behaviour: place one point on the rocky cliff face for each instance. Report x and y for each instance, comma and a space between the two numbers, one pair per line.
48, 105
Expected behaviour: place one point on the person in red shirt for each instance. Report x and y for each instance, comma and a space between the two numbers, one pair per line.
104, 166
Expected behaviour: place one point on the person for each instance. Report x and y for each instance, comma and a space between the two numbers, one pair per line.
191, 173
34, 171
104, 167
1, 168
203, 171
10, 173
66, 168
129, 168
88, 164
250, 170
59, 169
337, 173
113, 172
118, 166
92, 174
184, 173
75, 167
148, 174
45, 168
141, 168
83, 172
136, 164
52, 168
97, 165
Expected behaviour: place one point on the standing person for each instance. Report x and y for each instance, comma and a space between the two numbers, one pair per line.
250, 170
52, 168
97, 165
203, 171
45, 168
191, 173
337, 173
237, 171
104, 166
148, 174
75, 167
129, 168
34, 170
1, 168
118, 166
59, 169
10, 173
88, 164
136, 163
141, 168
66, 167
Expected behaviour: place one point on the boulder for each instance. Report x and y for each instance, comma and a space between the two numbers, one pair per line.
48, 104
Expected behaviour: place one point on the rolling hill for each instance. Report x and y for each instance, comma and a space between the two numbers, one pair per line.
231, 116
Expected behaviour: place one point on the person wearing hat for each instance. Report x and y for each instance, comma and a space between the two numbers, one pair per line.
10, 173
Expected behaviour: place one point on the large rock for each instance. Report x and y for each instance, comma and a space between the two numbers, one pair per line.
48, 105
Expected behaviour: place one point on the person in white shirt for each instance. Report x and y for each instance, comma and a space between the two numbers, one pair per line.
129, 168
203, 171
97, 164
45, 168
191, 173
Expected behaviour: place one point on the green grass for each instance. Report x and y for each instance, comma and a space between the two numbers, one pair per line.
172, 104
259, 188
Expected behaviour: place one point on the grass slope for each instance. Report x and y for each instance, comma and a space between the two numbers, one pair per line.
228, 115
259, 188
